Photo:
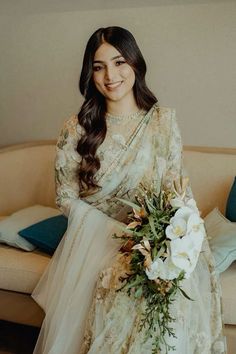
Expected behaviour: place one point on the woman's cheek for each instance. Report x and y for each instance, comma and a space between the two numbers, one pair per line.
126, 71
97, 82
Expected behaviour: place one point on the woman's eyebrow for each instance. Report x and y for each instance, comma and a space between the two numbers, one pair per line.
116, 57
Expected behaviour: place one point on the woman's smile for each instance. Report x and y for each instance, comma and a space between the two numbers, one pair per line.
113, 86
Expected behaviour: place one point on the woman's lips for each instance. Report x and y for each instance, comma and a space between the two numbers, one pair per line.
113, 86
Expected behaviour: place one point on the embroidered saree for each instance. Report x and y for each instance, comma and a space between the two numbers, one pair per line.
84, 312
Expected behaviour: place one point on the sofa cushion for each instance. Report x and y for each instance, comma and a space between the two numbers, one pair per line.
231, 203
46, 234
222, 239
228, 281
19, 270
10, 226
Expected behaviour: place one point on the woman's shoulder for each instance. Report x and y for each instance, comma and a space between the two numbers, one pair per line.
164, 116
165, 111
71, 126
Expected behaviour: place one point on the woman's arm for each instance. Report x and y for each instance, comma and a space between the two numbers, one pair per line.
66, 165
175, 168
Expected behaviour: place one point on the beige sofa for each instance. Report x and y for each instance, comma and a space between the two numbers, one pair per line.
27, 178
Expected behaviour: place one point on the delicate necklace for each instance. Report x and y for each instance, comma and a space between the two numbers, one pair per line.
125, 117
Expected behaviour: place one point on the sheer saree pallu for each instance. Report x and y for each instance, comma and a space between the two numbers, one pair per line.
66, 289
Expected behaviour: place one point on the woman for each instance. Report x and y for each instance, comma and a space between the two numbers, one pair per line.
119, 139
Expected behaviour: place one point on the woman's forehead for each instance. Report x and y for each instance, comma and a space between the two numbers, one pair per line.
106, 52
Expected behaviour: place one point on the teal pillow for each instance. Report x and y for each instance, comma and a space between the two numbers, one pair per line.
231, 203
222, 239
46, 234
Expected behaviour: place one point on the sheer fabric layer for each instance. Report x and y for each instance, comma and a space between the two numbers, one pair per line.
66, 289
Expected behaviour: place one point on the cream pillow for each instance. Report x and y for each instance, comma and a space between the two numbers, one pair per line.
11, 225
222, 239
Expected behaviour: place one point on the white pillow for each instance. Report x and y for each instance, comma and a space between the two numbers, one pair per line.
222, 239
11, 225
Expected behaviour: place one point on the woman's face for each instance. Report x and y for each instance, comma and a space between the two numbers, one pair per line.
113, 77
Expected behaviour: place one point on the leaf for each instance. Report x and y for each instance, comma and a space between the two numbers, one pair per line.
137, 281
131, 204
123, 227
147, 245
145, 253
133, 224
138, 247
138, 293
161, 252
150, 206
185, 295
151, 222
127, 246
154, 252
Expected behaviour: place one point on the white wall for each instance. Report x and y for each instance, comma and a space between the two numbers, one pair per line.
189, 49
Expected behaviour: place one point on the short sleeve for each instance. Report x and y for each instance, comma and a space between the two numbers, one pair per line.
66, 165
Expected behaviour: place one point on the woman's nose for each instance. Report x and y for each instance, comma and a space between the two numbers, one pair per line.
110, 73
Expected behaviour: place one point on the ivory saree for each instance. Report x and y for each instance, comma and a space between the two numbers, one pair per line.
84, 312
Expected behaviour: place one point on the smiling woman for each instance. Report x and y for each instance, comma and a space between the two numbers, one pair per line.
120, 141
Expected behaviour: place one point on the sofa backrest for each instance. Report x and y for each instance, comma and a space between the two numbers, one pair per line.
211, 172
27, 175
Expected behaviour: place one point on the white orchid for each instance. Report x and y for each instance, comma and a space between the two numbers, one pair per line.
179, 202
191, 203
195, 225
177, 228
185, 220
186, 232
185, 251
162, 269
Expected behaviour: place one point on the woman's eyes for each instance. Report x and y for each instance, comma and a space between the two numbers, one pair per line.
117, 63
97, 68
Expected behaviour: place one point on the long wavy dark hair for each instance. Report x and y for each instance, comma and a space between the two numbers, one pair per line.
92, 113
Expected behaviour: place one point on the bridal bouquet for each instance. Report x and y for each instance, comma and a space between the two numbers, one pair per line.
162, 241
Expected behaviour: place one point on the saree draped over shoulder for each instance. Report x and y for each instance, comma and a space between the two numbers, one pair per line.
84, 312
